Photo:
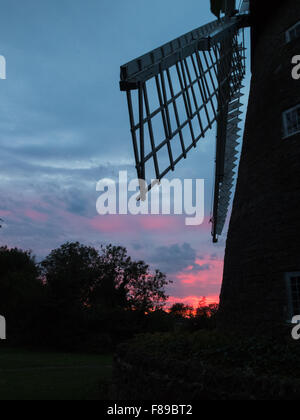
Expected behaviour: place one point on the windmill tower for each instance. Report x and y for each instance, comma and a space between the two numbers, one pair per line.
261, 283
177, 92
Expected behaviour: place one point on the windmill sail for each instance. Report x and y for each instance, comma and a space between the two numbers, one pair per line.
245, 6
227, 136
176, 93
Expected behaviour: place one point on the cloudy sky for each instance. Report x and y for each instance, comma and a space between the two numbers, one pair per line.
64, 126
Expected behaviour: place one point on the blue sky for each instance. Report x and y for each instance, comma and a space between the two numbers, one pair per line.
64, 126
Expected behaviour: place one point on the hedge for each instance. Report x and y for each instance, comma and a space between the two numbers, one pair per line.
206, 366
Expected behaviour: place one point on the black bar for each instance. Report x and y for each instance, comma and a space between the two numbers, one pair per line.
189, 116
133, 133
194, 96
142, 137
167, 133
151, 135
176, 113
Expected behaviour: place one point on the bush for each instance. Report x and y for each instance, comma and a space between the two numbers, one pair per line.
207, 365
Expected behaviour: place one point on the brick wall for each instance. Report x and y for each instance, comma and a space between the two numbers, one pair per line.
264, 236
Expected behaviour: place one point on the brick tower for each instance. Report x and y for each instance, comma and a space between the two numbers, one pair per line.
261, 283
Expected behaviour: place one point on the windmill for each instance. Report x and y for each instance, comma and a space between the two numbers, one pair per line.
194, 82
177, 92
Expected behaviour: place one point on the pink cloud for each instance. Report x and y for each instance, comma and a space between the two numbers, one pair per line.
36, 216
211, 275
165, 223
192, 283
126, 223
5, 213
110, 224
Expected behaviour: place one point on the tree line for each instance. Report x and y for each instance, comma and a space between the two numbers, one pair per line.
81, 298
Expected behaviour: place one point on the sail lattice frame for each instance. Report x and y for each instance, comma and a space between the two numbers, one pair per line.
177, 92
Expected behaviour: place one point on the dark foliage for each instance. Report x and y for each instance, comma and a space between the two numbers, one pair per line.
21, 291
180, 310
126, 283
207, 366
80, 298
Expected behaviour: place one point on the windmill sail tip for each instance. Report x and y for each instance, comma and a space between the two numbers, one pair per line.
216, 7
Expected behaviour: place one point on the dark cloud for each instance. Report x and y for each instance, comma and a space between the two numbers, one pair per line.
76, 202
202, 267
137, 246
174, 258
179, 258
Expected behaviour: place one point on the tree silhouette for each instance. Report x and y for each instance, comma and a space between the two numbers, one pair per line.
82, 276
20, 287
70, 272
128, 284
181, 310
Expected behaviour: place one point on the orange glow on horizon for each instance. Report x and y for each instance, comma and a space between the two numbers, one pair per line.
193, 300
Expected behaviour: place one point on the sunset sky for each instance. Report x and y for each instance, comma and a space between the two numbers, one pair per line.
64, 126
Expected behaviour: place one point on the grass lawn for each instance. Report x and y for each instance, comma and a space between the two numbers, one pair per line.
26, 375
